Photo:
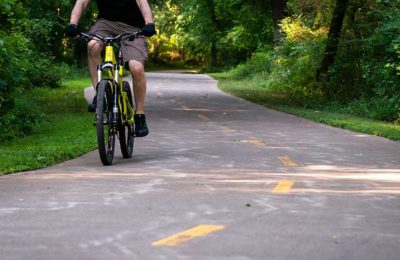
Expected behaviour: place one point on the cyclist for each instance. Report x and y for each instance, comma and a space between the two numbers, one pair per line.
115, 17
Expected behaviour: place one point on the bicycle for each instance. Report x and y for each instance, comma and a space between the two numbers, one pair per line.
114, 107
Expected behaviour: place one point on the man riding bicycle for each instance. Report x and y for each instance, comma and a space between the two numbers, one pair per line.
116, 17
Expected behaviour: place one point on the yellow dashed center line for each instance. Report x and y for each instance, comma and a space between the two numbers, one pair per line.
283, 186
182, 237
257, 142
287, 161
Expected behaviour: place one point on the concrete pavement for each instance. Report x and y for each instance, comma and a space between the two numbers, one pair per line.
217, 178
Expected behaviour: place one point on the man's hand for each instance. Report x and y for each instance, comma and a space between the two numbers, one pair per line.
72, 30
149, 30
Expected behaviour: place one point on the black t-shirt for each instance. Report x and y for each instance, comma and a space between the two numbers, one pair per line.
126, 11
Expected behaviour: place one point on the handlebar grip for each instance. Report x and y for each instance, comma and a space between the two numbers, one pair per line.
134, 36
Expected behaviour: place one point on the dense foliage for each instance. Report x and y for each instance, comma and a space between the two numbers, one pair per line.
362, 76
29, 43
365, 75
211, 32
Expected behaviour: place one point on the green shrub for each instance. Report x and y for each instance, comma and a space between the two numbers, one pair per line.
14, 66
45, 74
375, 108
290, 69
260, 63
21, 120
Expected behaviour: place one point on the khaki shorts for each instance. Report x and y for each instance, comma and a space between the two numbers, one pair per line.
131, 50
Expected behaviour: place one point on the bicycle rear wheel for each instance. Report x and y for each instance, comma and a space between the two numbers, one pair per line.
104, 122
126, 130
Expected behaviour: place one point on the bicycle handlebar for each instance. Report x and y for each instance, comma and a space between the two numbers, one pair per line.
110, 39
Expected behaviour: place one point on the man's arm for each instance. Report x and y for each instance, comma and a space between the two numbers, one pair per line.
145, 10
77, 11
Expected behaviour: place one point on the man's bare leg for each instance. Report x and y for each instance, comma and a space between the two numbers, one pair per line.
94, 59
139, 89
139, 84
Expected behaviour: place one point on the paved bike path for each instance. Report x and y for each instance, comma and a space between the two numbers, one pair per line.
252, 182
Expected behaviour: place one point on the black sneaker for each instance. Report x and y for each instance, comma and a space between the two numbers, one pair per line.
92, 107
141, 129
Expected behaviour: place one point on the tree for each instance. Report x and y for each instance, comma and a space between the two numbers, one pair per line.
278, 13
333, 36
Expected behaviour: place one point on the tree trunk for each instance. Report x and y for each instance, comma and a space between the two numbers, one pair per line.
213, 47
333, 37
278, 13
214, 55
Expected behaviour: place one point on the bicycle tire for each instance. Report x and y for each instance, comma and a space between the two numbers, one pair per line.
125, 130
104, 126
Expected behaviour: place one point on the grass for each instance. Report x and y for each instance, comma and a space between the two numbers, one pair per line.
67, 131
251, 90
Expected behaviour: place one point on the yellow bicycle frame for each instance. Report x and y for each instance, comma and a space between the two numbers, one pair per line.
116, 72
110, 56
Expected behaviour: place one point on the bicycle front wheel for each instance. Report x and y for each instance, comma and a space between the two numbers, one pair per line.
104, 122
126, 130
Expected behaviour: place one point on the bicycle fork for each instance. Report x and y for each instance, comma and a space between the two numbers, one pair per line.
113, 86
117, 86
